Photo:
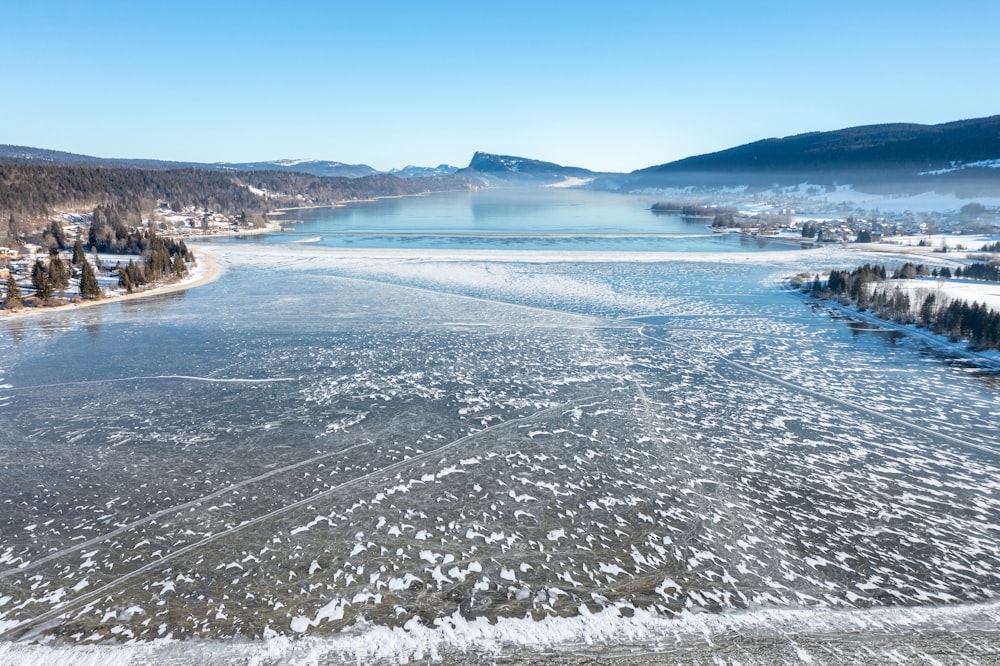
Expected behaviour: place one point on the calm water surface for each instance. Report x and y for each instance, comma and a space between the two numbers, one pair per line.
550, 219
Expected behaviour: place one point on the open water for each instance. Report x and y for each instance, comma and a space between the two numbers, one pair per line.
392, 454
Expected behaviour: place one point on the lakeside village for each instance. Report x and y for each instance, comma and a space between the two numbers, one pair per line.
80, 257
838, 223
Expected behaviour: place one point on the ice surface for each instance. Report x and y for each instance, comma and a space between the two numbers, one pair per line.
409, 457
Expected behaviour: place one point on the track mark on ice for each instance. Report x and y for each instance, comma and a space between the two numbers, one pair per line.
180, 507
191, 378
12, 633
837, 401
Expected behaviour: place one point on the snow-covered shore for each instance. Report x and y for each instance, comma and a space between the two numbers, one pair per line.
944, 289
204, 271
957, 348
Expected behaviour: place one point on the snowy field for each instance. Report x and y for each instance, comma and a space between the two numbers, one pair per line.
386, 455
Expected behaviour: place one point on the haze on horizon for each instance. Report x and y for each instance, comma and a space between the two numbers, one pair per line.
580, 84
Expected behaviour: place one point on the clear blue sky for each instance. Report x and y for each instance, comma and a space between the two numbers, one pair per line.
607, 86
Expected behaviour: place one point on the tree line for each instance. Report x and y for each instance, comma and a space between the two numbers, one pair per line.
48, 278
869, 288
980, 271
165, 259
692, 210
29, 192
731, 218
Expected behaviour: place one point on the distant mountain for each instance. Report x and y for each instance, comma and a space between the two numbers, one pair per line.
424, 172
25, 155
498, 170
313, 167
961, 157
927, 156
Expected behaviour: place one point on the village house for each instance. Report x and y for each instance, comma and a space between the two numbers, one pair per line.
31, 251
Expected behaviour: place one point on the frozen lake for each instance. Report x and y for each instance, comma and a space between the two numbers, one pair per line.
531, 219
489, 448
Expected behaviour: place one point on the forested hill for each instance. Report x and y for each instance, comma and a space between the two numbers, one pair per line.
947, 154
30, 192
40, 156
26, 155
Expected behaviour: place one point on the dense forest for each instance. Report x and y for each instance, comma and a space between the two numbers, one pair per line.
870, 288
29, 193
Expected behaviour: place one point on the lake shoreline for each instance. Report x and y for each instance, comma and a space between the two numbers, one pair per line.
348, 202
206, 270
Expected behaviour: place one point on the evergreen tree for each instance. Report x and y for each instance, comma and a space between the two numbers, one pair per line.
89, 288
58, 274
79, 256
958, 319
40, 281
13, 299
125, 280
136, 274
130, 277
179, 267
158, 265
58, 234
